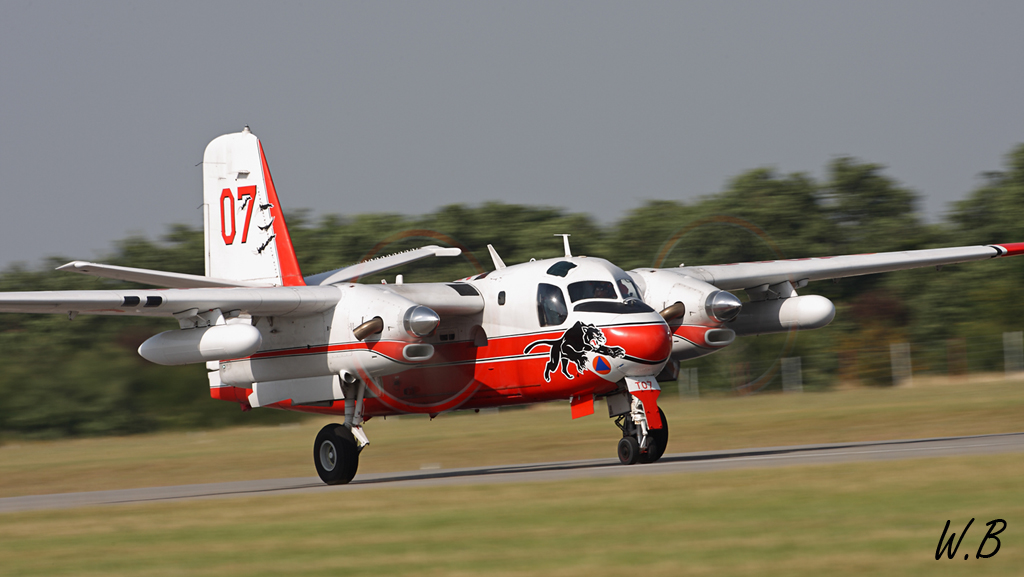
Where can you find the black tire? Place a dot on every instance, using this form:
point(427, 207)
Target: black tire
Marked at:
point(335, 454)
point(657, 441)
point(629, 450)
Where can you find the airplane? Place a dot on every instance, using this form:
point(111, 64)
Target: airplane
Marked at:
point(569, 328)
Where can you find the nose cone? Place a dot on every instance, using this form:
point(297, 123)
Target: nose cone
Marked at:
point(723, 306)
point(420, 321)
point(646, 347)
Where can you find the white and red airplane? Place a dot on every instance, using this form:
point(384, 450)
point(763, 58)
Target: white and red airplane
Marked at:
point(571, 328)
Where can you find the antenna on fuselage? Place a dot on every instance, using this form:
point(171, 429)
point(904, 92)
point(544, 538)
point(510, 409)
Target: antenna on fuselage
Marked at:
point(565, 241)
point(498, 263)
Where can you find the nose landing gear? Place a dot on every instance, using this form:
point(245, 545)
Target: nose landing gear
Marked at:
point(639, 443)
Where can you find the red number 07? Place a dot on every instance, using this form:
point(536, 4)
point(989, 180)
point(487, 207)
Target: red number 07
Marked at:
point(227, 212)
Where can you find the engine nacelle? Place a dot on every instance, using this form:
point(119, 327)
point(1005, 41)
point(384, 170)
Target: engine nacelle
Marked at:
point(697, 312)
point(182, 347)
point(390, 325)
point(400, 318)
point(702, 303)
point(780, 315)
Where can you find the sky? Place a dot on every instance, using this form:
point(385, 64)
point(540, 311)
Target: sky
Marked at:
point(106, 107)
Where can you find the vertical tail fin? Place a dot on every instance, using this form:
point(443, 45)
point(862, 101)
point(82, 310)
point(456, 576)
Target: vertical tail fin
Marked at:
point(246, 236)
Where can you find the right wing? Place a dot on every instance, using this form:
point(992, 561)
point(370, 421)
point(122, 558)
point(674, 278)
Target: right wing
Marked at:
point(800, 271)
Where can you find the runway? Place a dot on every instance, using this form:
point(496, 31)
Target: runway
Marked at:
point(557, 471)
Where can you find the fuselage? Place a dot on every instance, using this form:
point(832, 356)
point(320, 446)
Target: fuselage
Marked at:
point(537, 331)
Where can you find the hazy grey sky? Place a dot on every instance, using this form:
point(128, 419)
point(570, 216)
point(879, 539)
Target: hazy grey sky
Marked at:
point(105, 108)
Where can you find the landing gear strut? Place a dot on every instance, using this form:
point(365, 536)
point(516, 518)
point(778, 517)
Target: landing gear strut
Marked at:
point(337, 447)
point(657, 440)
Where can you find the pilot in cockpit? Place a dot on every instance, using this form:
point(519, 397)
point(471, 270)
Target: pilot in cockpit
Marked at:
point(603, 291)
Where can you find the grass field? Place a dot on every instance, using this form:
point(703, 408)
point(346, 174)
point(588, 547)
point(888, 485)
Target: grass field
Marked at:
point(540, 433)
point(880, 518)
point(852, 519)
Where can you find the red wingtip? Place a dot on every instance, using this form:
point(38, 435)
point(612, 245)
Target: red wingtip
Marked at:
point(1011, 249)
point(290, 273)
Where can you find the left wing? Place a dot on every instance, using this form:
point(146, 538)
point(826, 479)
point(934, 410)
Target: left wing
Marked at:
point(800, 271)
point(272, 301)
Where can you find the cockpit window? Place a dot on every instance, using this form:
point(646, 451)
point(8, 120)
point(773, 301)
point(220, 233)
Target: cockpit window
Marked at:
point(561, 268)
point(551, 309)
point(591, 289)
point(628, 288)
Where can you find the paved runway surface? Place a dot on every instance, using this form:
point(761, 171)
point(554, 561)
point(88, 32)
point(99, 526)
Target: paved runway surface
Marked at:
point(566, 470)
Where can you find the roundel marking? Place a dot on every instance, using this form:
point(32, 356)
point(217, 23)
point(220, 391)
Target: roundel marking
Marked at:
point(601, 365)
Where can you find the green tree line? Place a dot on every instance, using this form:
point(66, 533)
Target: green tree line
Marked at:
point(84, 377)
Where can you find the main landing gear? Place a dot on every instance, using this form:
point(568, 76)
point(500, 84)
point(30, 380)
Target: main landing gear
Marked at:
point(640, 444)
point(337, 447)
point(335, 454)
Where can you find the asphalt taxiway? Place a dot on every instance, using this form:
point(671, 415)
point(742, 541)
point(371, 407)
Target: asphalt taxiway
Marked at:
point(557, 471)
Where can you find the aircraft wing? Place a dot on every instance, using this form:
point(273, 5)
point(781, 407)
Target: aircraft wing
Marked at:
point(749, 275)
point(272, 301)
point(152, 277)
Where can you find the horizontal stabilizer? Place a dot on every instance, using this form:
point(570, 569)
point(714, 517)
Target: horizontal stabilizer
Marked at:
point(377, 265)
point(152, 277)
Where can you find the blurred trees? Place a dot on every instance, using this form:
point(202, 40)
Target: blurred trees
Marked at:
point(60, 378)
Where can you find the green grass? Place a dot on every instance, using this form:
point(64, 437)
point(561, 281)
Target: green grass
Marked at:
point(539, 433)
point(881, 518)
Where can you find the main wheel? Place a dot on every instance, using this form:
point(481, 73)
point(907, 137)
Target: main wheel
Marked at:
point(335, 454)
point(629, 450)
point(657, 441)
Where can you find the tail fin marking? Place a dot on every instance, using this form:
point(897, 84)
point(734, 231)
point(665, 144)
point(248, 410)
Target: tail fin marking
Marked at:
point(290, 273)
point(246, 235)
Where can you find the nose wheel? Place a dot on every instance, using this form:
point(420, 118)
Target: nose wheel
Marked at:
point(629, 450)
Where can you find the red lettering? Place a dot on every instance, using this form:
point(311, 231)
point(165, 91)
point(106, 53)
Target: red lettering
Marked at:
point(226, 196)
point(249, 191)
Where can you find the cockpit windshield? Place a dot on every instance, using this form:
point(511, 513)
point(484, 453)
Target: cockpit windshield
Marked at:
point(627, 287)
point(591, 289)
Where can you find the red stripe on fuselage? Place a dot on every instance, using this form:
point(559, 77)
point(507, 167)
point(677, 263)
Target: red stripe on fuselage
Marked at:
point(631, 337)
point(460, 374)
